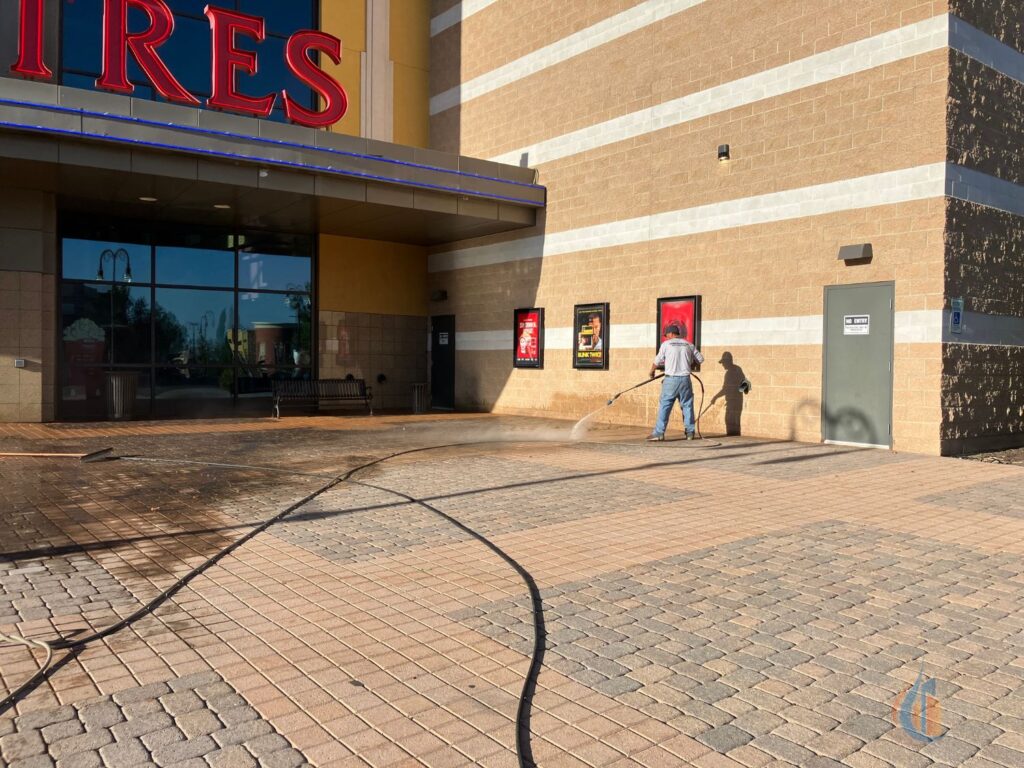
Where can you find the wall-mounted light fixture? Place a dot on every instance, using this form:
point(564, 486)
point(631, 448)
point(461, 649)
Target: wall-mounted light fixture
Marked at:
point(859, 253)
point(723, 153)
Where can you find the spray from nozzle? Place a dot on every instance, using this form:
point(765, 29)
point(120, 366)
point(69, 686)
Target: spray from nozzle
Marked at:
point(579, 430)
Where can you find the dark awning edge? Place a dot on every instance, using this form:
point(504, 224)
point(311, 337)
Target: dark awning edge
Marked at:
point(201, 134)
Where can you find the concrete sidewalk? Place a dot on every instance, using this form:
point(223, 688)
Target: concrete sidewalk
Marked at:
point(732, 602)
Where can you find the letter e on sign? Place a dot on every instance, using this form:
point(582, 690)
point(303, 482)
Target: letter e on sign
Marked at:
point(228, 59)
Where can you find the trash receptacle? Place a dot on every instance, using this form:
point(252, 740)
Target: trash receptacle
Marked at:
point(419, 398)
point(121, 392)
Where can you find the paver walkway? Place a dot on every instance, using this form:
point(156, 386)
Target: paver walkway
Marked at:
point(727, 603)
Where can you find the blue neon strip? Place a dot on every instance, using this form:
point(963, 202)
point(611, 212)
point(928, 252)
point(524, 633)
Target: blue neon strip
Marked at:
point(262, 161)
point(257, 139)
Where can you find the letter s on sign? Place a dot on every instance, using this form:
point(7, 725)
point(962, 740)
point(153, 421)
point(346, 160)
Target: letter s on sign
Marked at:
point(335, 100)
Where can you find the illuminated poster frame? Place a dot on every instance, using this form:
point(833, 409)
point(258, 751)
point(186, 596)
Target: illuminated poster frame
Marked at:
point(528, 323)
point(590, 349)
point(679, 309)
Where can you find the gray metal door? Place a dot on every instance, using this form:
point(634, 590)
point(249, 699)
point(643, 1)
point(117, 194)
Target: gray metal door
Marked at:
point(857, 400)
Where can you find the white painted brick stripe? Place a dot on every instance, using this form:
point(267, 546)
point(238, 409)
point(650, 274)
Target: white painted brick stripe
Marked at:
point(918, 183)
point(917, 327)
point(930, 326)
point(915, 39)
point(977, 187)
point(594, 36)
point(985, 49)
point(992, 330)
point(457, 14)
point(863, 55)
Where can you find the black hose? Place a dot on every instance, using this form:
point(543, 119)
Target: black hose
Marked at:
point(700, 410)
point(524, 750)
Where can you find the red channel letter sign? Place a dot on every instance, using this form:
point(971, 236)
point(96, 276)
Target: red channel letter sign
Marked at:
point(230, 60)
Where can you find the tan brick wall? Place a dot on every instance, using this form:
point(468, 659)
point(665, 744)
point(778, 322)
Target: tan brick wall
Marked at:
point(999, 18)
point(507, 30)
point(27, 311)
point(683, 54)
point(985, 121)
point(765, 271)
point(28, 305)
point(881, 120)
point(771, 270)
point(888, 118)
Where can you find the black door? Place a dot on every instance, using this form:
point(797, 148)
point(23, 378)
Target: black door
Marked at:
point(442, 366)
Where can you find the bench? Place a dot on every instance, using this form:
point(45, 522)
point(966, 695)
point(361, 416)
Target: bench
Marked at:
point(321, 391)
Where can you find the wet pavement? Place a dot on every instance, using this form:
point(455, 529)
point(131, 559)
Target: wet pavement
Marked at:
point(725, 603)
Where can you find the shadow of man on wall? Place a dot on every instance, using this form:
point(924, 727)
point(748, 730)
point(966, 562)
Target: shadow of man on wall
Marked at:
point(732, 391)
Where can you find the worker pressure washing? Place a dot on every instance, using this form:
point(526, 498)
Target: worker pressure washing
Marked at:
point(677, 357)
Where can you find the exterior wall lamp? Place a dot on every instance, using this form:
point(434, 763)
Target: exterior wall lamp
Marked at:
point(723, 153)
point(861, 253)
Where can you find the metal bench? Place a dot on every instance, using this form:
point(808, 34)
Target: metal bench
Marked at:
point(321, 391)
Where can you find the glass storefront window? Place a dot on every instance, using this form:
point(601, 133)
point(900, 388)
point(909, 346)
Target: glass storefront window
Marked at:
point(96, 394)
point(193, 266)
point(259, 271)
point(116, 262)
point(193, 327)
point(205, 328)
point(275, 330)
point(104, 324)
point(195, 383)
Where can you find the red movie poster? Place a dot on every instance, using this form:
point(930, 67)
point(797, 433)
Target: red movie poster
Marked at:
point(528, 338)
point(683, 311)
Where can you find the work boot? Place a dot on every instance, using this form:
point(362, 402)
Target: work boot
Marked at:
point(655, 438)
point(689, 435)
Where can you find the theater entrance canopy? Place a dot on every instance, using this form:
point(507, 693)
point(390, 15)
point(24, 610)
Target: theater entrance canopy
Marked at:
point(109, 154)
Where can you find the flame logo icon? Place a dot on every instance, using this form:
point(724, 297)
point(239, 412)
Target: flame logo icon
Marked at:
point(917, 711)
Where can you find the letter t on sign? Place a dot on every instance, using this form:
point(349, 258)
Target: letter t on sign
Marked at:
point(30, 42)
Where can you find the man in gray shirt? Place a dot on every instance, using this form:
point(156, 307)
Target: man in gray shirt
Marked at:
point(678, 357)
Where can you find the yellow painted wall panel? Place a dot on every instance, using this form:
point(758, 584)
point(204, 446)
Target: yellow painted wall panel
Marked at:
point(346, 19)
point(410, 33)
point(349, 74)
point(372, 276)
point(412, 106)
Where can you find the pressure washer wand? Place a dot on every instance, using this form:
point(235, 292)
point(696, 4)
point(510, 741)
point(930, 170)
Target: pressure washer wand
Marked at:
point(636, 386)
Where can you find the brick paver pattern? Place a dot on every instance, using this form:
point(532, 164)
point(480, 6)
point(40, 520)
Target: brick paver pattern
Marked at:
point(727, 603)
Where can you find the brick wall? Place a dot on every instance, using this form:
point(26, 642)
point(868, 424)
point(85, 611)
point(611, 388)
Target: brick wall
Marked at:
point(999, 18)
point(985, 119)
point(983, 384)
point(366, 345)
point(28, 244)
point(876, 121)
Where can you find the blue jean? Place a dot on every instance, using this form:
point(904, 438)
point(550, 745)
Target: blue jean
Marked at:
point(675, 388)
